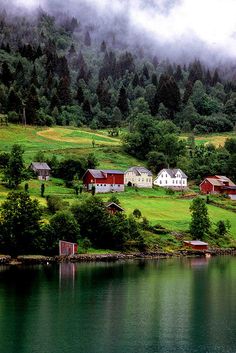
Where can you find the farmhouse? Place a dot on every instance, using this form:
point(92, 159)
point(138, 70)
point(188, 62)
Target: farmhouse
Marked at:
point(42, 170)
point(218, 184)
point(196, 244)
point(172, 178)
point(138, 176)
point(104, 180)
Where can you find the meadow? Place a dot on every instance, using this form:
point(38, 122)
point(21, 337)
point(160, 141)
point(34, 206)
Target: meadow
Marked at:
point(172, 212)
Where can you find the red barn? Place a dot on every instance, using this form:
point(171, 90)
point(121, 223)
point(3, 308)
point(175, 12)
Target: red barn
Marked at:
point(196, 244)
point(104, 180)
point(218, 184)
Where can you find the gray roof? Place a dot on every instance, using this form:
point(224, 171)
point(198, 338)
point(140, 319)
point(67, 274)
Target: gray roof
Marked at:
point(172, 172)
point(108, 204)
point(139, 170)
point(100, 173)
point(40, 166)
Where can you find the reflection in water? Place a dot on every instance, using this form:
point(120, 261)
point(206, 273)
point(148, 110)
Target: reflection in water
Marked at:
point(164, 306)
point(199, 261)
point(67, 275)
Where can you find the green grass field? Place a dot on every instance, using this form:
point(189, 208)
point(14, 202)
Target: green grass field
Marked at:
point(171, 212)
point(66, 141)
point(216, 139)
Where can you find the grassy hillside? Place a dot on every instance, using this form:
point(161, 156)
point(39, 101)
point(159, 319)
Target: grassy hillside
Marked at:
point(171, 212)
point(64, 141)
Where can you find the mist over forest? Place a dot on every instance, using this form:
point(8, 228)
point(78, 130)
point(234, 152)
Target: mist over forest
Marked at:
point(179, 30)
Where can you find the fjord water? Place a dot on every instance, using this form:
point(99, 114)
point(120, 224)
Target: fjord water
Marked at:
point(158, 306)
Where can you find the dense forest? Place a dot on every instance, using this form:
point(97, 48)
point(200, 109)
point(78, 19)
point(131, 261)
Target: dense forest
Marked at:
point(58, 69)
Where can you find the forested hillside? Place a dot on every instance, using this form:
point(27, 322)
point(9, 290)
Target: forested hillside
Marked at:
point(62, 72)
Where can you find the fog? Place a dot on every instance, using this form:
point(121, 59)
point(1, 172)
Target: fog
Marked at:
point(178, 27)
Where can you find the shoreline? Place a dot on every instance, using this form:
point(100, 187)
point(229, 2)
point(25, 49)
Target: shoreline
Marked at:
point(78, 258)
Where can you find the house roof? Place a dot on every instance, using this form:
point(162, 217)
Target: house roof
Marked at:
point(219, 181)
point(139, 170)
point(101, 173)
point(109, 204)
point(172, 172)
point(40, 166)
point(223, 178)
point(195, 242)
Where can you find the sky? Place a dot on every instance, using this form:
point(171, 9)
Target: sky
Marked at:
point(212, 22)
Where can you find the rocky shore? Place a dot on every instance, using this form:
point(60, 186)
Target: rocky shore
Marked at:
point(38, 259)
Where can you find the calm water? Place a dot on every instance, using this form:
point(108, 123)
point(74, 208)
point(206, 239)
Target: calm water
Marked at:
point(162, 306)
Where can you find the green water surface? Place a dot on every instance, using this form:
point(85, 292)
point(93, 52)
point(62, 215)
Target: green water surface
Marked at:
point(159, 306)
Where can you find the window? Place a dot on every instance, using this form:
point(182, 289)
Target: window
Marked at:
point(160, 182)
point(166, 181)
point(162, 175)
point(97, 184)
point(166, 175)
point(118, 186)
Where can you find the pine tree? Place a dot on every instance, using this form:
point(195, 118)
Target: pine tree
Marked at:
point(32, 105)
point(80, 95)
point(63, 91)
point(14, 102)
point(87, 39)
point(122, 102)
point(6, 75)
point(104, 97)
point(178, 74)
point(188, 92)
point(19, 75)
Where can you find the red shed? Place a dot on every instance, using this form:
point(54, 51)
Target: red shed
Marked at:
point(67, 248)
point(104, 180)
point(216, 184)
point(196, 244)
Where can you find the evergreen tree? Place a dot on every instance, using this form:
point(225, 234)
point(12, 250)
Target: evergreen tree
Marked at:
point(87, 39)
point(80, 95)
point(104, 97)
point(122, 102)
point(63, 91)
point(6, 75)
point(32, 105)
point(14, 102)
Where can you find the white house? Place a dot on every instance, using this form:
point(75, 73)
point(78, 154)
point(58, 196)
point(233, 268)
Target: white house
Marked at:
point(138, 176)
point(172, 178)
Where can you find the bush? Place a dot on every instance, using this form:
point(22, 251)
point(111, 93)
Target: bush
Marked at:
point(55, 203)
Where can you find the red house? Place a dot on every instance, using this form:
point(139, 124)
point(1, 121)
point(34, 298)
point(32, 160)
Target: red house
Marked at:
point(218, 184)
point(104, 180)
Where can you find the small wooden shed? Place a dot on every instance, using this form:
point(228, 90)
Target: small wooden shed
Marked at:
point(41, 169)
point(67, 248)
point(196, 244)
point(113, 208)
